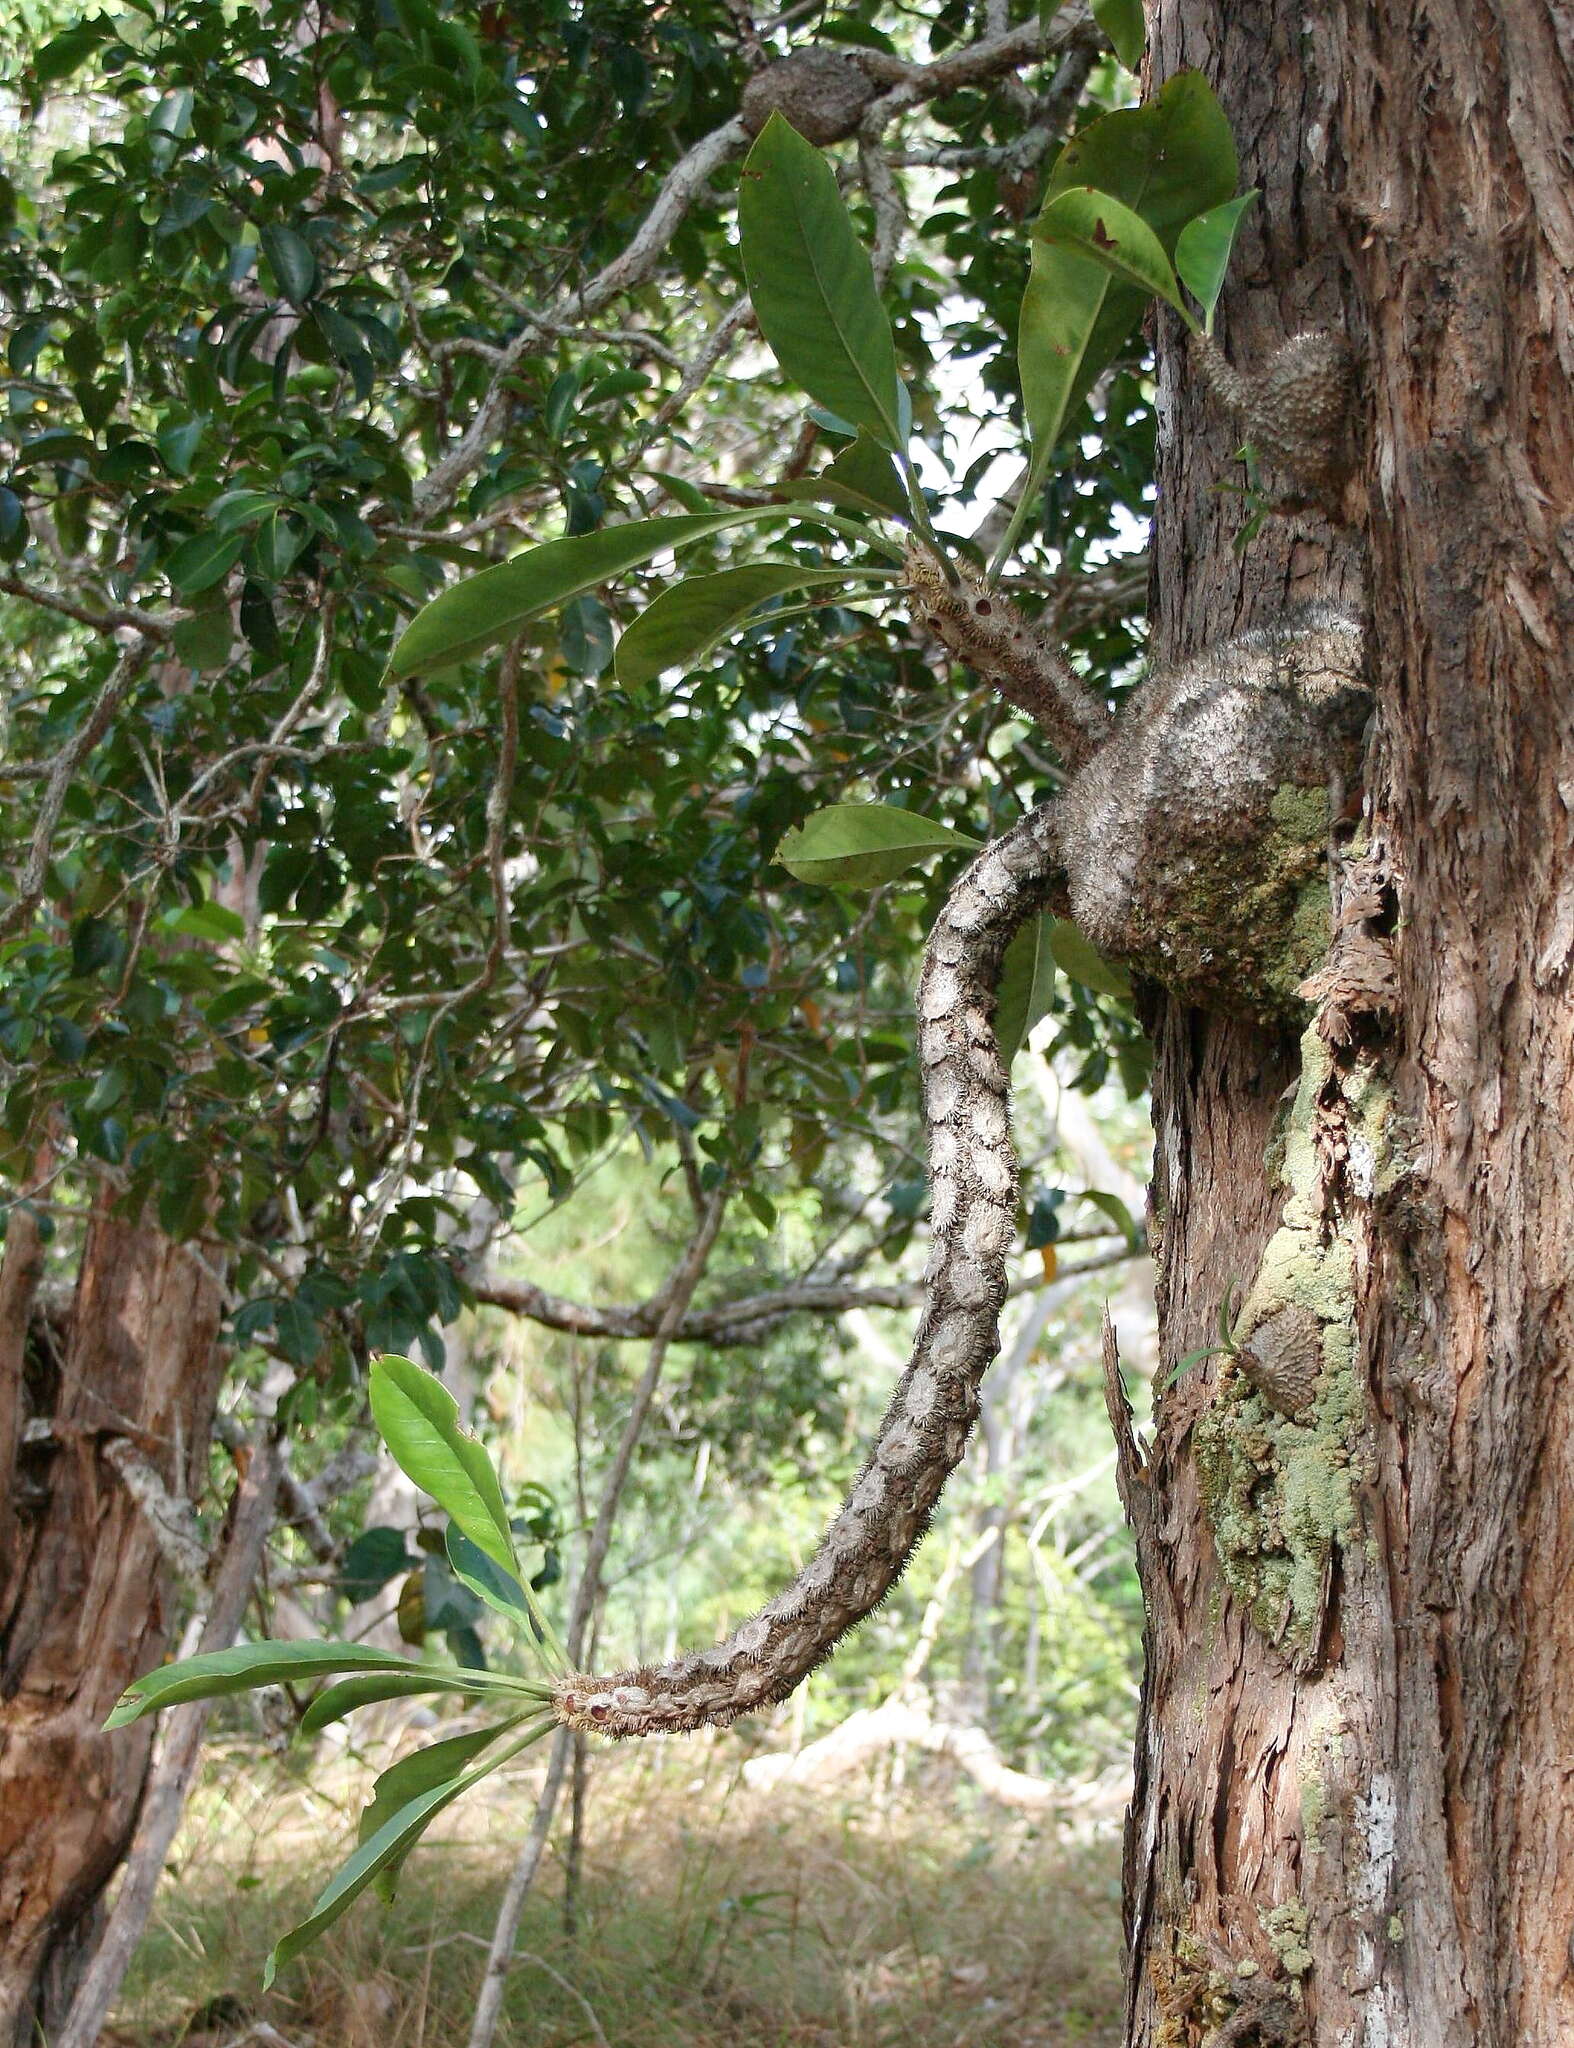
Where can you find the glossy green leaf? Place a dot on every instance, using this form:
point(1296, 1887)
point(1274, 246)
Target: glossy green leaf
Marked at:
point(334, 1702)
point(66, 52)
point(1122, 21)
point(1203, 249)
point(502, 1590)
point(219, 1672)
point(198, 563)
point(863, 478)
point(864, 844)
point(439, 1763)
point(1081, 962)
point(487, 609)
point(418, 1419)
point(1117, 1212)
point(1097, 226)
point(1027, 985)
point(292, 261)
point(392, 1842)
point(681, 627)
point(813, 285)
point(1168, 161)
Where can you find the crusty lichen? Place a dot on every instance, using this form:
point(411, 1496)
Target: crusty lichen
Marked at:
point(1280, 1490)
point(1285, 1927)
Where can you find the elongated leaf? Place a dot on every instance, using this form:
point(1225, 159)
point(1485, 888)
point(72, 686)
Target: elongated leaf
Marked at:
point(418, 1419)
point(250, 1664)
point(1082, 962)
point(1202, 252)
point(1117, 1212)
point(392, 1841)
point(813, 285)
point(1095, 225)
point(1168, 161)
point(681, 627)
point(511, 1596)
point(438, 1764)
point(866, 474)
point(485, 1578)
point(1027, 983)
point(865, 844)
point(198, 563)
point(489, 608)
point(1122, 22)
point(292, 262)
point(334, 1702)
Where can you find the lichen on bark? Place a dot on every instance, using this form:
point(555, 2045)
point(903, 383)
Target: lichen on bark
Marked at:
point(1280, 1488)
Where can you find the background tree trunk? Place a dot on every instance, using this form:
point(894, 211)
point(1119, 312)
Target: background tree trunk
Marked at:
point(1384, 1831)
point(84, 1585)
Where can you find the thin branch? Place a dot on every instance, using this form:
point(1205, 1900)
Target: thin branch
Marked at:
point(745, 1320)
point(67, 762)
point(152, 625)
point(908, 85)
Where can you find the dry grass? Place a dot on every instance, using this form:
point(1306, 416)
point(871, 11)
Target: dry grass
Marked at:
point(708, 1914)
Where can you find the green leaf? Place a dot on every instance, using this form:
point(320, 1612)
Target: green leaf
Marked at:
point(67, 51)
point(1168, 161)
point(239, 1670)
point(681, 627)
point(391, 1843)
point(178, 443)
point(1082, 962)
point(1122, 22)
point(376, 1556)
point(205, 921)
point(472, 1567)
point(1117, 1212)
point(292, 261)
point(863, 478)
point(1202, 252)
point(492, 607)
point(1027, 983)
point(438, 1764)
point(813, 285)
point(1095, 225)
point(866, 844)
point(334, 1702)
point(200, 561)
point(418, 1419)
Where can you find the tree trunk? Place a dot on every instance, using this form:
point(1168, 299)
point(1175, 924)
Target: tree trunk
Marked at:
point(84, 1585)
point(1351, 1819)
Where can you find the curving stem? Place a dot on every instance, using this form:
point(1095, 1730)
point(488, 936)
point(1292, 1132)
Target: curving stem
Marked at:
point(973, 1193)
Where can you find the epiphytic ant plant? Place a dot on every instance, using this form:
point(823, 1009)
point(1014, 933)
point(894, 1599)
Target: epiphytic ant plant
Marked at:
point(1189, 841)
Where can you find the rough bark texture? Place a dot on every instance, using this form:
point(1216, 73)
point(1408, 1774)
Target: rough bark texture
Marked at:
point(83, 1585)
point(1366, 1795)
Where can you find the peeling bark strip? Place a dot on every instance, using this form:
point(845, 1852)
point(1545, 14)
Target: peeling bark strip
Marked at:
point(84, 1586)
point(973, 1187)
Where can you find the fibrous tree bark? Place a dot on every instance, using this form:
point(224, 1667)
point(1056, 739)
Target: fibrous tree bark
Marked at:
point(85, 1581)
point(1351, 1823)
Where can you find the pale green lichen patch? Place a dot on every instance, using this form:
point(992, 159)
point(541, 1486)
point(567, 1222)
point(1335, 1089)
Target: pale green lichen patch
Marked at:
point(1280, 1489)
point(1314, 1811)
point(1285, 1927)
